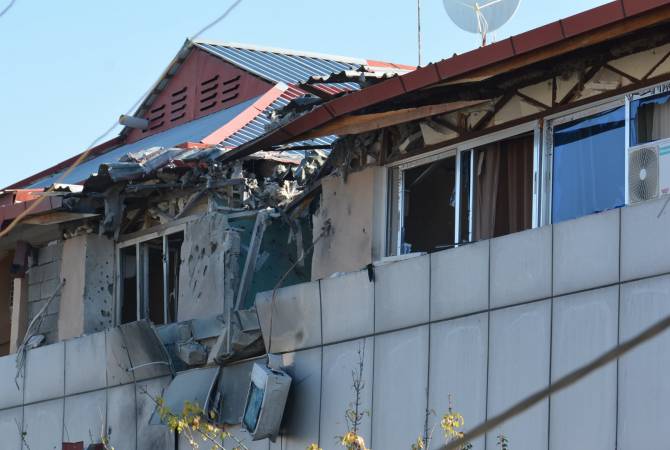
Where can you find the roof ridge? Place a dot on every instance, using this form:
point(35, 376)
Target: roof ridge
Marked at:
point(283, 51)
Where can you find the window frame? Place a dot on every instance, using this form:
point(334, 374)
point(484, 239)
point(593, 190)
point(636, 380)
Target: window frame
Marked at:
point(456, 150)
point(136, 240)
point(547, 195)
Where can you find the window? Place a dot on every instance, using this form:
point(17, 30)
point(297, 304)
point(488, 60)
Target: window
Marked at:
point(588, 174)
point(650, 119)
point(504, 187)
point(471, 194)
point(149, 277)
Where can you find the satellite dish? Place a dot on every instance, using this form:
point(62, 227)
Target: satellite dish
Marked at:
point(481, 16)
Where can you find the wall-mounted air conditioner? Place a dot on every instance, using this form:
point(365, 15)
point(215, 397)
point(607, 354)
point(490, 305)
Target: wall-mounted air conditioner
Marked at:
point(648, 171)
point(266, 401)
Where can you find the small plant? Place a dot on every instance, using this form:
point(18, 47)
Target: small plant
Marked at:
point(195, 425)
point(354, 415)
point(503, 442)
point(452, 423)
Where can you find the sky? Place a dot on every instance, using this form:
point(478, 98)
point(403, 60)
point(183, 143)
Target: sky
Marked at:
point(69, 68)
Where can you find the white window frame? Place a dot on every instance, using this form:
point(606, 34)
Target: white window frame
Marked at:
point(457, 150)
point(576, 113)
point(136, 240)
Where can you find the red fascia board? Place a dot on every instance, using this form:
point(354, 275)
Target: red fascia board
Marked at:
point(246, 116)
point(632, 7)
point(95, 151)
point(420, 78)
point(369, 96)
point(594, 18)
point(313, 119)
point(539, 37)
point(475, 59)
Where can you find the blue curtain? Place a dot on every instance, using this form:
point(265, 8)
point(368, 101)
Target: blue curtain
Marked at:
point(589, 165)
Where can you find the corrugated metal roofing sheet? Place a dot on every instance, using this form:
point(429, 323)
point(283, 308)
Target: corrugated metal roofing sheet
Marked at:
point(282, 65)
point(189, 132)
point(258, 126)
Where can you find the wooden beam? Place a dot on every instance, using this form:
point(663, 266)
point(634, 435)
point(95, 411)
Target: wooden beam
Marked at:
point(484, 121)
point(370, 122)
point(532, 101)
point(621, 73)
point(577, 88)
point(656, 66)
point(57, 217)
point(325, 96)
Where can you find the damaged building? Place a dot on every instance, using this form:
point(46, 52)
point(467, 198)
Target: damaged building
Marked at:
point(465, 234)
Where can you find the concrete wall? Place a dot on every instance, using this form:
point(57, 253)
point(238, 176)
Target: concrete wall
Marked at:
point(6, 287)
point(208, 271)
point(43, 279)
point(487, 324)
point(462, 324)
point(87, 298)
point(354, 215)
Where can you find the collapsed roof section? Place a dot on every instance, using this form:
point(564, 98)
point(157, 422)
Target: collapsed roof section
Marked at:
point(212, 98)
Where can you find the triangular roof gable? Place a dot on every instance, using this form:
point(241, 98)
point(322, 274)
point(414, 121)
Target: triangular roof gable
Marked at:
point(195, 86)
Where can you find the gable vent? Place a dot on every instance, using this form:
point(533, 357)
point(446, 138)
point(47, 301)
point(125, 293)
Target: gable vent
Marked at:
point(230, 90)
point(209, 93)
point(178, 101)
point(156, 117)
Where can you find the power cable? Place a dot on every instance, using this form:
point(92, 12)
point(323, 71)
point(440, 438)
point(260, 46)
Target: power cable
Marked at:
point(7, 8)
point(560, 384)
point(36, 203)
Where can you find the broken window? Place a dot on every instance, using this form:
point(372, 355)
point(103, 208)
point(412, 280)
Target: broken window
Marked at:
point(429, 208)
point(149, 279)
point(504, 187)
point(650, 119)
point(588, 165)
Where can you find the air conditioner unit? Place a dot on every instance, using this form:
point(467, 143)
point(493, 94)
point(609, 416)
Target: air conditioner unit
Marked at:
point(266, 401)
point(648, 171)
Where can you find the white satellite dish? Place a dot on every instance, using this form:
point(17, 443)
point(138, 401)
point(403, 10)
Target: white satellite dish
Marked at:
point(481, 16)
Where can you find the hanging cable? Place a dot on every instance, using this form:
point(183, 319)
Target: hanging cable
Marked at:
point(7, 8)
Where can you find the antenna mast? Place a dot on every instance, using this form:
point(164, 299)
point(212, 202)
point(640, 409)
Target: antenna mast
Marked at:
point(418, 27)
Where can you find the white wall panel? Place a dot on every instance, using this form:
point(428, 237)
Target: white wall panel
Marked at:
point(645, 245)
point(151, 436)
point(340, 361)
point(11, 421)
point(121, 417)
point(45, 373)
point(84, 417)
point(400, 384)
point(521, 267)
point(348, 307)
point(402, 293)
point(301, 417)
point(296, 317)
point(518, 367)
point(458, 363)
point(85, 364)
point(11, 387)
point(585, 326)
point(644, 391)
point(459, 281)
point(586, 252)
point(43, 425)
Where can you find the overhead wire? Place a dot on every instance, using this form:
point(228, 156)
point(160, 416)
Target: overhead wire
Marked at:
point(37, 202)
point(7, 8)
point(561, 384)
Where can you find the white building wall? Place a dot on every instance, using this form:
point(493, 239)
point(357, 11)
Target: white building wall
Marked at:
point(455, 325)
